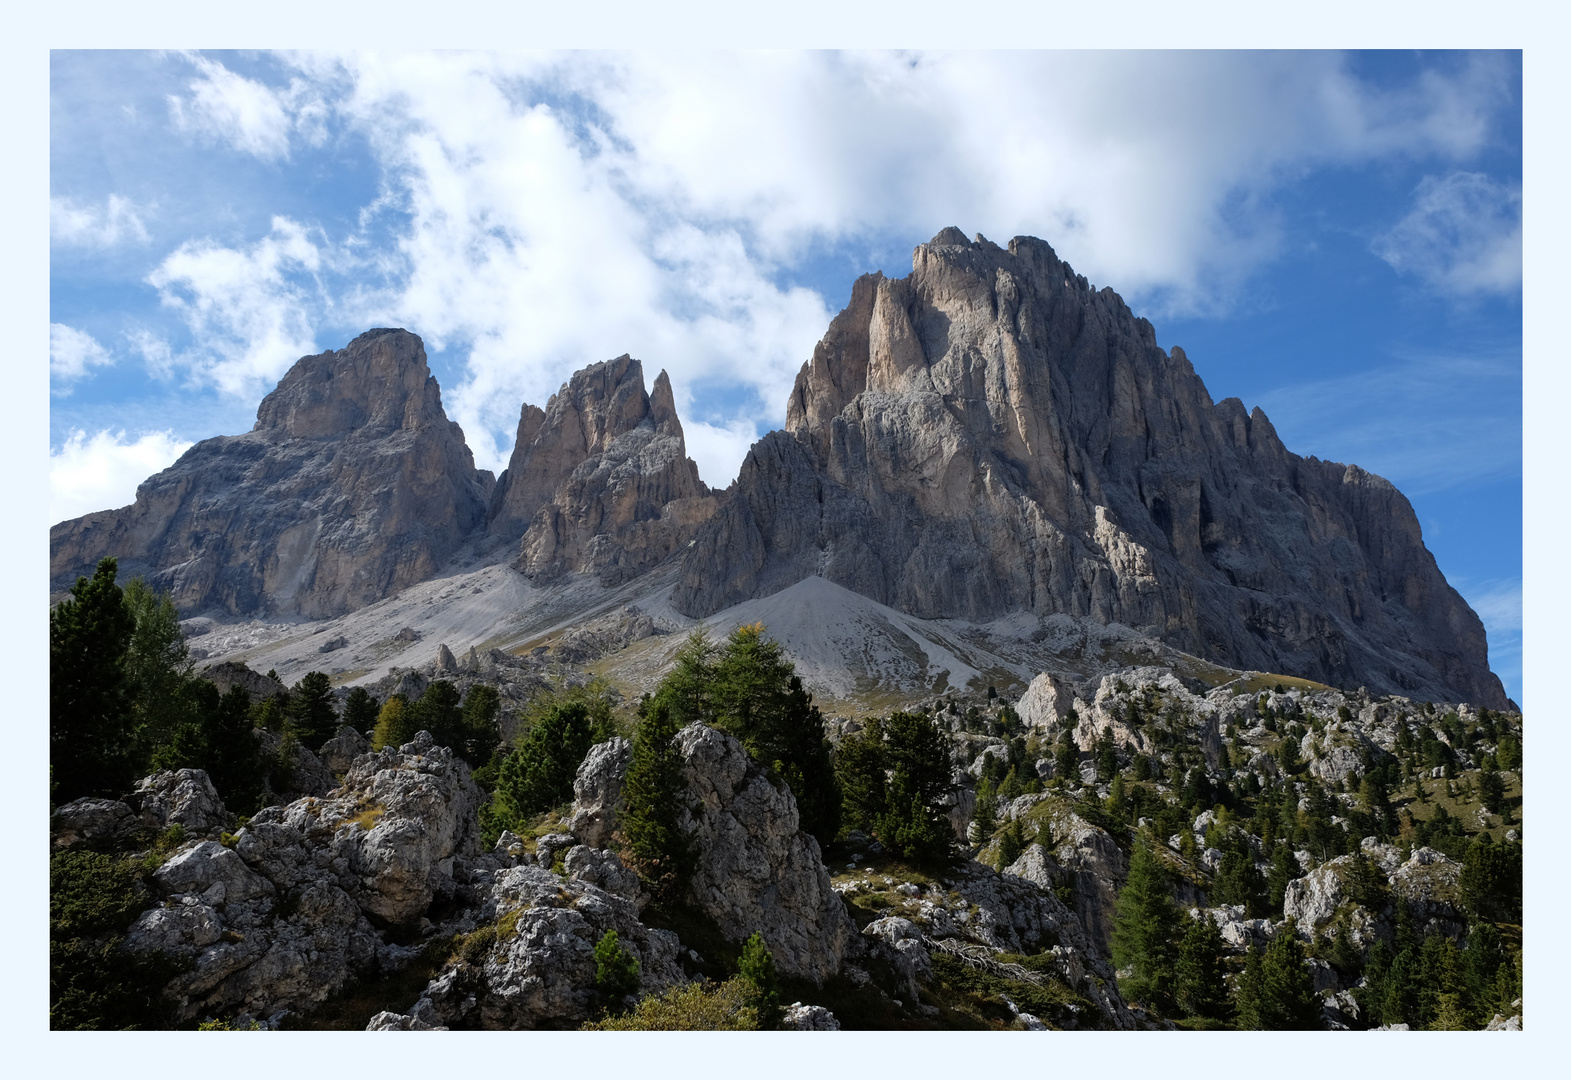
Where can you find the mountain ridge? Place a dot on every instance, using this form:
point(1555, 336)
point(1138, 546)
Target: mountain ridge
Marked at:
point(987, 436)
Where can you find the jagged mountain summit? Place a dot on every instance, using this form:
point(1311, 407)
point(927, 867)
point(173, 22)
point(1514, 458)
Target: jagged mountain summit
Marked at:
point(989, 435)
point(984, 444)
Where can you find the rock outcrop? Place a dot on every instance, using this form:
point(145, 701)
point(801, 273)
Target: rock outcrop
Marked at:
point(352, 485)
point(755, 870)
point(991, 435)
point(600, 481)
point(292, 911)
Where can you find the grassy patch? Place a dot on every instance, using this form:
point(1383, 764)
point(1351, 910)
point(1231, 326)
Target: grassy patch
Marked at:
point(368, 816)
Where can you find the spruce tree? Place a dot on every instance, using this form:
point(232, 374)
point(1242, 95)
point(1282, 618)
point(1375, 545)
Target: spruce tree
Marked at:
point(861, 771)
point(231, 756)
point(1144, 927)
point(91, 741)
point(647, 822)
point(1106, 755)
point(1199, 987)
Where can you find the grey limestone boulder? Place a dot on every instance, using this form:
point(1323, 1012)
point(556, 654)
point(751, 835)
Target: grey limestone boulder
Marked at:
point(186, 798)
point(91, 819)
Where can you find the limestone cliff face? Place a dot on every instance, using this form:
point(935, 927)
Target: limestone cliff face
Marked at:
point(991, 435)
point(600, 481)
point(352, 485)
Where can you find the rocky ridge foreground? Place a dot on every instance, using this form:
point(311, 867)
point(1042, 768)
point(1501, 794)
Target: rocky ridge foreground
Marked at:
point(986, 439)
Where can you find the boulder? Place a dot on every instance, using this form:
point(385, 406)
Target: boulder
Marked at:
point(185, 797)
point(339, 752)
point(103, 820)
point(799, 1017)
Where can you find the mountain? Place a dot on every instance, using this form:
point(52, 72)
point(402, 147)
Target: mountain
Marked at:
point(352, 485)
point(990, 435)
point(982, 462)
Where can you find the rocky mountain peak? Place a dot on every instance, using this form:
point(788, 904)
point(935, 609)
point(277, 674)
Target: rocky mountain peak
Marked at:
point(378, 382)
point(302, 514)
point(991, 434)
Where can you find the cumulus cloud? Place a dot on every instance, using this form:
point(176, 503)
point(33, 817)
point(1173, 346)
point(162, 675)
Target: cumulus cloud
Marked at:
point(541, 212)
point(72, 352)
point(102, 471)
point(1463, 235)
point(250, 310)
point(78, 224)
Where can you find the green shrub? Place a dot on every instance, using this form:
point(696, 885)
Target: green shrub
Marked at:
point(690, 1007)
point(616, 971)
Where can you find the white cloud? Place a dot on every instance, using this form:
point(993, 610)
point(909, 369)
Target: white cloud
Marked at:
point(74, 223)
point(247, 114)
point(250, 310)
point(1462, 236)
point(72, 352)
point(718, 451)
point(102, 471)
point(542, 212)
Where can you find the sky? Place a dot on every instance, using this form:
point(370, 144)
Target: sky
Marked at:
point(1336, 238)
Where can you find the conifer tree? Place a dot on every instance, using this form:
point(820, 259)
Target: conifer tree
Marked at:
point(312, 717)
point(1106, 755)
point(1066, 762)
point(985, 816)
point(1288, 989)
point(91, 741)
point(393, 723)
point(647, 822)
point(1199, 987)
point(158, 669)
point(477, 724)
point(1011, 844)
point(539, 773)
point(1144, 928)
point(361, 710)
point(439, 713)
point(757, 969)
point(616, 972)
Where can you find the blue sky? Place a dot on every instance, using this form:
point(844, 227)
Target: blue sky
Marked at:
point(1333, 237)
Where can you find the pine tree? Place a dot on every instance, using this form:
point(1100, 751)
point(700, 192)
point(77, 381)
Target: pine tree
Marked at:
point(438, 712)
point(1106, 755)
point(985, 816)
point(1288, 1001)
point(1066, 762)
point(616, 972)
point(478, 734)
point(861, 771)
point(539, 773)
point(652, 794)
point(757, 969)
point(1144, 927)
point(757, 696)
point(361, 710)
point(1116, 806)
point(91, 741)
point(158, 669)
point(231, 756)
point(1199, 987)
point(1011, 844)
point(1248, 994)
point(312, 717)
